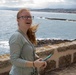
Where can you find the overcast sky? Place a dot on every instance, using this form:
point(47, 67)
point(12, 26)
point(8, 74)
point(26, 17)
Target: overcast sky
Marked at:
point(39, 3)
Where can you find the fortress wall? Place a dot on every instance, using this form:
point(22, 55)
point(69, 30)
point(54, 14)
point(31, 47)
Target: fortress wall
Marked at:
point(64, 55)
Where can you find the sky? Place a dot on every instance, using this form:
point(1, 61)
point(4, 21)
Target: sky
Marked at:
point(38, 4)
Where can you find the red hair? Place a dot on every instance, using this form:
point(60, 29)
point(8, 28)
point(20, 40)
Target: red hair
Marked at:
point(31, 34)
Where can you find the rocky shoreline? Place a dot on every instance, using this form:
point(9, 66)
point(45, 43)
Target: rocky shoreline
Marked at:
point(51, 42)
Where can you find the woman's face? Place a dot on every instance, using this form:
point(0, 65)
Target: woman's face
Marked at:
point(25, 19)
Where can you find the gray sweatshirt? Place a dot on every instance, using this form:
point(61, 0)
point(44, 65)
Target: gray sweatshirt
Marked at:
point(21, 51)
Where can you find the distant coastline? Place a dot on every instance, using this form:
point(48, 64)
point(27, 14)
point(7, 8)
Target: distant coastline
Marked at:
point(57, 10)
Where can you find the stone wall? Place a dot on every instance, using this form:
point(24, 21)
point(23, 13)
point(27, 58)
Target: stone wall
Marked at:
point(64, 54)
point(5, 64)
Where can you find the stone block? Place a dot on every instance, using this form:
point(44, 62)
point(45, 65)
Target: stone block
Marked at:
point(74, 57)
point(61, 49)
point(68, 59)
point(64, 61)
point(51, 65)
point(65, 48)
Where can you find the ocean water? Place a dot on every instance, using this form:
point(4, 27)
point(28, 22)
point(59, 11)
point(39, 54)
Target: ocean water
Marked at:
point(53, 29)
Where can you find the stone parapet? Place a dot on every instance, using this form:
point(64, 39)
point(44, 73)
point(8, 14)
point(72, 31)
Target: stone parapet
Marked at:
point(5, 63)
point(64, 55)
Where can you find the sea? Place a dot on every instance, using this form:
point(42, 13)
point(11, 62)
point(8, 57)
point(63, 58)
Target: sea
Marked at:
point(47, 29)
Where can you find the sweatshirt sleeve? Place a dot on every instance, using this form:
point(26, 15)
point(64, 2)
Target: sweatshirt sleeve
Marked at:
point(16, 43)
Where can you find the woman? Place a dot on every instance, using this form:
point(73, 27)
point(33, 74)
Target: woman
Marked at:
point(22, 51)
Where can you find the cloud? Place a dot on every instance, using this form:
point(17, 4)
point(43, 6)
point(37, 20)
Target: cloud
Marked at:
point(55, 3)
point(52, 4)
point(39, 3)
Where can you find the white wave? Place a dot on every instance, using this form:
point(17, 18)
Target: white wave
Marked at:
point(49, 38)
point(53, 38)
point(4, 47)
point(4, 44)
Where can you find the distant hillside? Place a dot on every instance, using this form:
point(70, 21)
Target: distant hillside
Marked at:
point(56, 10)
point(41, 10)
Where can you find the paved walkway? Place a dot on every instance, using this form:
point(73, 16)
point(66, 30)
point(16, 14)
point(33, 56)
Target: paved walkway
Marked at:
point(71, 70)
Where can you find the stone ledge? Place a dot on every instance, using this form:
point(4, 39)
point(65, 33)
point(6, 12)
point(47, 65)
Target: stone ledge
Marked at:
point(4, 60)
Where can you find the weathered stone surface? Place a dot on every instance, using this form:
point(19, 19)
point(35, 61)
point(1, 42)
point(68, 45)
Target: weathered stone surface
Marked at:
point(4, 60)
point(65, 48)
point(4, 63)
point(51, 65)
point(64, 61)
point(61, 49)
point(72, 46)
point(51, 41)
point(6, 73)
point(68, 59)
point(74, 57)
point(70, 70)
point(45, 53)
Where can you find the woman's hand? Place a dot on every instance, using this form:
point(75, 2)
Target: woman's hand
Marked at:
point(39, 63)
